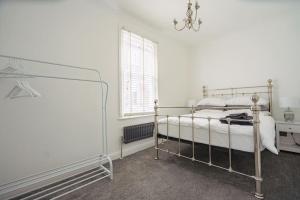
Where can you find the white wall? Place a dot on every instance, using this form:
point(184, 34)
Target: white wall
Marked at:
point(81, 32)
point(250, 56)
point(77, 32)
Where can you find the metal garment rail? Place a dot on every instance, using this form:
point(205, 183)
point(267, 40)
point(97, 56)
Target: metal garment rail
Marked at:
point(104, 91)
point(256, 136)
point(104, 94)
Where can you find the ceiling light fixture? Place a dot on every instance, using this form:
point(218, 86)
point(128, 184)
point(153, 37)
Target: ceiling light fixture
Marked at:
point(190, 21)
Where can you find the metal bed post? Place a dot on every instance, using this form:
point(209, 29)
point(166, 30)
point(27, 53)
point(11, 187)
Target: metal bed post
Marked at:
point(270, 85)
point(179, 142)
point(156, 128)
point(257, 153)
point(167, 132)
point(209, 142)
point(193, 134)
point(204, 91)
point(229, 145)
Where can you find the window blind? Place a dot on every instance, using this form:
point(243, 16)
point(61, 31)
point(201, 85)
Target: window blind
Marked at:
point(138, 74)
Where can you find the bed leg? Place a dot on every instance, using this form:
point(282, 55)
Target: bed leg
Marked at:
point(156, 129)
point(257, 152)
point(156, 156)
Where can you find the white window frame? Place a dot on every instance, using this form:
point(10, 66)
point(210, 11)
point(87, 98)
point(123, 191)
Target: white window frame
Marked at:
point(140, 114)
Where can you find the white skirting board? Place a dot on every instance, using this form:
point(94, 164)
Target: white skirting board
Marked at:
point(133, 148)
point(27, 184)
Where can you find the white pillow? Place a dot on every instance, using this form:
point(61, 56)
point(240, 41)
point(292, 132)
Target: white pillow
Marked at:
point(211, 102)
point(245, 101)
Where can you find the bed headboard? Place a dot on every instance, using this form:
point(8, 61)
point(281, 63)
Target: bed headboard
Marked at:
point(241, 91)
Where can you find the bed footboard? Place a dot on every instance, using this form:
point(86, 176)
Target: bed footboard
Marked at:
point(256, 136)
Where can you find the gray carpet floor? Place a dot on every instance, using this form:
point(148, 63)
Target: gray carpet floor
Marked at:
point(140, 177)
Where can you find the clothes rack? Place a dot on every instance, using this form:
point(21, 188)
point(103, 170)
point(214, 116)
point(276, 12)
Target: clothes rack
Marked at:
point(102, 158)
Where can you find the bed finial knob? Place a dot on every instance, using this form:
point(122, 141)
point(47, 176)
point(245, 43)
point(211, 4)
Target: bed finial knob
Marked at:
point(255, 98)
point(204, 90)
point(270, 85)
point(270, 82)
point(155, 103)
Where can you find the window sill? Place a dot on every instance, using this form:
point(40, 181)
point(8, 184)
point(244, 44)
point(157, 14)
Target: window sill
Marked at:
point(135, 116)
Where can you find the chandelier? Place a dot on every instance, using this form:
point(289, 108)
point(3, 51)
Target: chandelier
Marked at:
point(190, 21)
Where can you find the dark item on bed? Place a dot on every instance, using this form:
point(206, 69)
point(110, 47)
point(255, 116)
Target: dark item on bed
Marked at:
point(235, 119)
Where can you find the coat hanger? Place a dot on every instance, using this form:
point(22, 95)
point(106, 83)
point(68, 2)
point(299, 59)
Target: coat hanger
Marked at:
point(9, 67)
point(22, 87)
point(13, 66)
point(27, 87)
point(18, 91)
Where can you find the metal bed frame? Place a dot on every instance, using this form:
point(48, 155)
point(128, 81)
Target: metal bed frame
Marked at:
point(101, 159)
point(263, 89)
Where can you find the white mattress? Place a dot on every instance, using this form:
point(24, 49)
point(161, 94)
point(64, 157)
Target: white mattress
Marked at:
point(241, 136)
point(240, 142)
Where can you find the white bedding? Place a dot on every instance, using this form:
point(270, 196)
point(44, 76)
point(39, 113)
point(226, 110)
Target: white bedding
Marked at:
point(267, 125)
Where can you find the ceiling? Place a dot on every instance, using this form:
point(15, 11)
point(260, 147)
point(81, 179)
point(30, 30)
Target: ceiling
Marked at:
point(219, 16)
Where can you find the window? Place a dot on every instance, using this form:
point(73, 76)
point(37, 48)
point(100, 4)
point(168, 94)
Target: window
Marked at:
point(138, 74)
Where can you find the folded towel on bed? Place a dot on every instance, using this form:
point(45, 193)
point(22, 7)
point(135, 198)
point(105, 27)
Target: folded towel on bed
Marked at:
point(235, 119)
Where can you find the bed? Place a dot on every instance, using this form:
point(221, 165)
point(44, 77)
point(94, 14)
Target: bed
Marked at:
point(241, 136)
point(204, 125)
